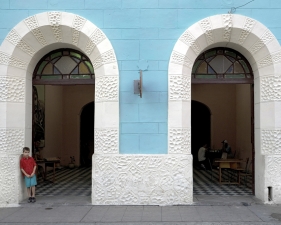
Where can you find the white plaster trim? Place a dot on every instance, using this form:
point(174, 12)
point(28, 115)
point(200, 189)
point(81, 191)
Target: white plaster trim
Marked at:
point(34, 37)
point(233, 31)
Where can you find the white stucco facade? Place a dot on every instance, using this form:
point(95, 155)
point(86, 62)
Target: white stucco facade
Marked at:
point(130, 179)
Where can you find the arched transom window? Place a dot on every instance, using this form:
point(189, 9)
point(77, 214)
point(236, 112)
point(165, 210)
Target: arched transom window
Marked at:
point(64, 66)
point(221, 65)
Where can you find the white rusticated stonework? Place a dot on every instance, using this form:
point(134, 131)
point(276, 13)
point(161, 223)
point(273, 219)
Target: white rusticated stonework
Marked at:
point(246, 30)
point(9, 168)
point(227, 23)
point(16, 40)
point(55, 22)
point(32, 24)
point(270, 88)
point(179, 141)
point(96, 37)
point(12, 61)
point(179, 87)
point(270, 59)
point(142, 180)
point(271, 142)
point(106, 88)
point(181, 59)
point(11, 141)
point(273, 168)
point(188, 39)
point(12, 89)
point(105, 58)
point(206, 26)
point(106, 141)
point(77, 25)
point(266, 37)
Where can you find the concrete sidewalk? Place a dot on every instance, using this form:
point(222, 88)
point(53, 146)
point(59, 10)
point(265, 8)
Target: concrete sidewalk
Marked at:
point(205, 210)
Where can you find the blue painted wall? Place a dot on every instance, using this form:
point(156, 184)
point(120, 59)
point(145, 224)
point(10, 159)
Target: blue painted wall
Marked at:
point(142, 30)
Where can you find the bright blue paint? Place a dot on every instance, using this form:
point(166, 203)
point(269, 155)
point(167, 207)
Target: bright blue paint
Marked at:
point(140, 4)
point(156, 49)
point(113, 33)
point(103, 4)
point(95, 16)
point(65, 4)
point(153, 112)
point(129, 112)
point(170, 34)
point(155, 18)
point(126, 80)
point(121, 18)
point(144, 30)
point(126, 49)
point(5, 4)
point(155, 80)
point(163, 128)
point(163, 96)
point(152, 65)
point(168, 3)
point(163, 65)
point(130, 144)
point(153, 143)
point(28, 4)
point(10, 18)
point(148, 97)
point(139, 128)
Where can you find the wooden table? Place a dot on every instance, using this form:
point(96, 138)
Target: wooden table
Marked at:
point(229, 164)
point(48, 163)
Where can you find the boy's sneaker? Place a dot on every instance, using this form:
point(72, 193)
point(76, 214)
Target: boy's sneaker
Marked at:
point(29, 200)
point(33, 200)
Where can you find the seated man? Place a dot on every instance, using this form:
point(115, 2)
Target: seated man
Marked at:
point(226, 148)
point(203, 161)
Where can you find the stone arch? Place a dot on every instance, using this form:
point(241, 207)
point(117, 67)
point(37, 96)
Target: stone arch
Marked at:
point(262, 50)
point(20, 51)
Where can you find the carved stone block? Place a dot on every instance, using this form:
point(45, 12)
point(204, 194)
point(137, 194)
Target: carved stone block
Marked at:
point(11, 141)
point(270, 88)
point(179, 88)
point(12, 89)
point(106, 88)
point(179, 141)
point(106, 141)
point(142, 180)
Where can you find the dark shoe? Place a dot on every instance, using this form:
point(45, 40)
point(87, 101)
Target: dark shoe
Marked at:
point(29, 200)
point(33, 200)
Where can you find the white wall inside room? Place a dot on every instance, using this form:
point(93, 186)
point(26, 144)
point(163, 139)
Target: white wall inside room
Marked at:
point(63, 105)
point(230, 108)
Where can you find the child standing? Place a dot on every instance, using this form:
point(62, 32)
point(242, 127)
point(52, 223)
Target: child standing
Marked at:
point(28, 168)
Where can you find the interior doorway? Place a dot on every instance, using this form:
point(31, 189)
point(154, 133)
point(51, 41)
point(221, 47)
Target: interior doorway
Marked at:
point(68, 81)
point(200, 127)
point(87, 134)
point(222, 79)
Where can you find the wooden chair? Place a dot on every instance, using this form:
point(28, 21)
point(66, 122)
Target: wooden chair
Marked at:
point(246, 173)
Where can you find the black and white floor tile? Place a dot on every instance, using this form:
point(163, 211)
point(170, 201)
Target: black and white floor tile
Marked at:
point(205, 182)
point(70, 182)
point(77, 182)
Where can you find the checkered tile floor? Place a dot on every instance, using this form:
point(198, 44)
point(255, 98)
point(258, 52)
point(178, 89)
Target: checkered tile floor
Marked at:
point(204, 184)
point(70, 182)
point(77, 182)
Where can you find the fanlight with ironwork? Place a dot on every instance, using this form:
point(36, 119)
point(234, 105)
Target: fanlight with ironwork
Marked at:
point(221, 65)
point(64, 66)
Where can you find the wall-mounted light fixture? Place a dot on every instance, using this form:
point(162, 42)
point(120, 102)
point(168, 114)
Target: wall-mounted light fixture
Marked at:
point(138, 85)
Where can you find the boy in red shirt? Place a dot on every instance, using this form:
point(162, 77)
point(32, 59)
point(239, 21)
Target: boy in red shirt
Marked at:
point(28, 168)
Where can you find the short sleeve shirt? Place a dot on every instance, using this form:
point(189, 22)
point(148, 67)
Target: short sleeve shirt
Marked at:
point(27, 164)
point(201, 154)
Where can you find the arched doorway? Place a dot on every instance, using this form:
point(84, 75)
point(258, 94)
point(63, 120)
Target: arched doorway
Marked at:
point(200, 127)
point(222, 78)
point(87, 134)
point(67, 78)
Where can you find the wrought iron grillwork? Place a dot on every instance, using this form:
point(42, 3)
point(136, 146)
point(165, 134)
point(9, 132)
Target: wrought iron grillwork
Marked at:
point(222, 64)
point(63, 65)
